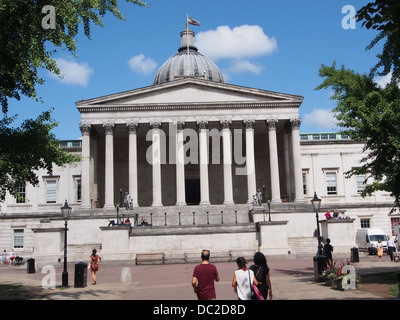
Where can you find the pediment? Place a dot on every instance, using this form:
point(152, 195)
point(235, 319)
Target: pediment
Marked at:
point(190, 91)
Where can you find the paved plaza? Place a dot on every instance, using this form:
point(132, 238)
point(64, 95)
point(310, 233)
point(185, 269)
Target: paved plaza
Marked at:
point(292, 279)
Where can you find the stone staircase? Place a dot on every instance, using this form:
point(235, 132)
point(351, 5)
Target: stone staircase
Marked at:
point(303, 246)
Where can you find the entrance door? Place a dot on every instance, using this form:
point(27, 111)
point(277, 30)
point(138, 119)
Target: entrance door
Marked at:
point(192, 187)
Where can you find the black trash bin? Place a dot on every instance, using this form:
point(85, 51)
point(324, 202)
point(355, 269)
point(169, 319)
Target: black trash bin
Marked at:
point(319, 267)
point(354, 255)
point(30, 265)
point(80, 275)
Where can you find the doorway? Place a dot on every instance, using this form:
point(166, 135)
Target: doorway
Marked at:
point(192, 191)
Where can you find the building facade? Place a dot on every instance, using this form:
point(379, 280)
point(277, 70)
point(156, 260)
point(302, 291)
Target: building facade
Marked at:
point(192, 152)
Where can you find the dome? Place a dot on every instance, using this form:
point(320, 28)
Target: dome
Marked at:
point(188, 62)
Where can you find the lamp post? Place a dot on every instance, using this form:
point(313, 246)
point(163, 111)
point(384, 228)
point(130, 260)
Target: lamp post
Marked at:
point(316, 202)
point(269, 210)
point(65, 212)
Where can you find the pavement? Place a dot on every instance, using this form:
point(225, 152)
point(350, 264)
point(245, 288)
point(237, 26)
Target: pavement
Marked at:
point(291, 278)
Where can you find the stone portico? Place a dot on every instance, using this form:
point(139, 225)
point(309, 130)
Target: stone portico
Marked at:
point(212, 143)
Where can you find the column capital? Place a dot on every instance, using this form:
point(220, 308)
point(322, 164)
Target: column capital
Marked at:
point(271, 124)
point(295, 123)
point(180, 125)
point(248, 124)
point(155, 125)
point(225, 124)
point(202, 125)
point(132, 127)
point(85, 129)
point(109, 128)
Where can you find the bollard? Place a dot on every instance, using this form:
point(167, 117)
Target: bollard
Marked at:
point(126, 275)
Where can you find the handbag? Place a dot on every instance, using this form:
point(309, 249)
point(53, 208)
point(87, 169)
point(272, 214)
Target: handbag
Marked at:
point(257, 294)
point(254, 293)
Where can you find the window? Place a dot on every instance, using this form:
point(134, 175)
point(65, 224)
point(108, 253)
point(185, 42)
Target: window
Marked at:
point(18, 238)
point(365, 223)
point(22, 193)
point(304, 183)
point(51, 191)
point(360, 183)
point(78, 190)
point(331, 183)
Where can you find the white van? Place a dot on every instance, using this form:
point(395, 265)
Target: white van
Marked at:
point(367, 239)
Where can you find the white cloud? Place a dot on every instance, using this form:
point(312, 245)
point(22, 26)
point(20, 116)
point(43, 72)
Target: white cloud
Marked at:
point(142, 64)
point(241, 42)
point(73, 72)
point(320, 119)
point(240, 66)
point(385, 80)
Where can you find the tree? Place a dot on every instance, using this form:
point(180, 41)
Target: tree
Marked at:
point(384, 16)
point(371, 114)
point(24, 48)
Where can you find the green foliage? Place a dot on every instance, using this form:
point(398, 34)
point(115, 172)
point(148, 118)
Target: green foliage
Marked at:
point(371, 114)
point(384, 16)
point(25, 150)
point(23, 40)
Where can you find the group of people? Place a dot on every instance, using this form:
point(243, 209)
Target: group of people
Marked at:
point(4, 260)
point(335, 215)
point(391, 248)
point(245, 280)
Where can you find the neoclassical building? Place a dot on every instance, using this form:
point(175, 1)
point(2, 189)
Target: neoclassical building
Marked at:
point(192, 152)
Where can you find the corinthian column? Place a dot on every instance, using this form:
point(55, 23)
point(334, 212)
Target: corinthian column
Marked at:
point(298, 179)
point(156, 159)
point(180, 165)
point(227, 157)
point(109, 166)
point(204, 190)
point(250, 160)
point(273, 161)
point(132, 171)
point(85, 175)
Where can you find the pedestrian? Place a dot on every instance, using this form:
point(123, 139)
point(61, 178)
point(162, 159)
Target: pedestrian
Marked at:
point(243, 280)
point(203, 278)
point(328, 249)
point(261, 272)
point(12, 257)
point(94, 265)
point(379, 247)
point(4, 257)
point(391, 247)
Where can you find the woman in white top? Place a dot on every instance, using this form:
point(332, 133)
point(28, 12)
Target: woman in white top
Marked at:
point(243, 280)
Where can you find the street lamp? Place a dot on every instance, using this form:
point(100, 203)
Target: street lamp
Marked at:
point(269, 210)
point(316, 202)
point(65, 212)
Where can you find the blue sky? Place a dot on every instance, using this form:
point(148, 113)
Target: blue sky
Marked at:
point(291, 41)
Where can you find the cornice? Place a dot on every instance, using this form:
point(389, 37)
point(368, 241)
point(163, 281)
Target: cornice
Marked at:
point(117, 108)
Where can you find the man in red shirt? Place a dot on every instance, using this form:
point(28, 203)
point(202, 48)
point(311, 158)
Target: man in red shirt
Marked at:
point(204, 276)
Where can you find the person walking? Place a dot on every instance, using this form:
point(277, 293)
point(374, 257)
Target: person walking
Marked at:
point(380, 249)
point(94, 265)
point(243, 280)
point(261, 272)
point(204, 276)
point(391, 247)
point(4, 257)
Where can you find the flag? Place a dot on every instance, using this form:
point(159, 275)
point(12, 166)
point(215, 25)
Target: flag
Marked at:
point(193, 22)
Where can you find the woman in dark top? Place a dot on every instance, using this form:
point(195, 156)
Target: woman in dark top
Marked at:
point(261, 273)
